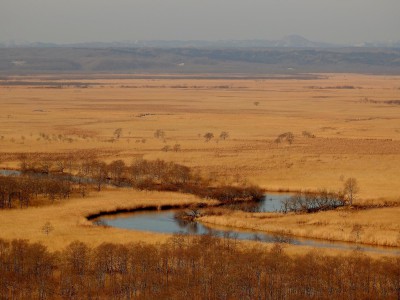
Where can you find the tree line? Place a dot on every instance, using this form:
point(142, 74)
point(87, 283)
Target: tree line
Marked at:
point(164, 176)
point(187, 267)
point(61, 177)
point(51, 177)
point(19, 191)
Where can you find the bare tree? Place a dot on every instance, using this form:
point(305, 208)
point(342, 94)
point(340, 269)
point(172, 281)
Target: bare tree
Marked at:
point(99, 173)
point(159, 134)
point(208, 136)
point(224, 135)
point(118, 133)
point(287, 136)
point(117, 168)
point(351, 189)
point(47, 228)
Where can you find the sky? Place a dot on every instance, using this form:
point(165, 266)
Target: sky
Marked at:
point(70, 21)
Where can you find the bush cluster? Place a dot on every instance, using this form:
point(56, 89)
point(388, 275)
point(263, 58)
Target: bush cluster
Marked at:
point(313, 201)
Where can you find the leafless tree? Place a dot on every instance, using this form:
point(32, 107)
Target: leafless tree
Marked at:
point(118, 133)
point(208, 136)
point(159, 134)
point(287, 136)
point(116, 169)
point(351, 189)
point(166, 148)
point(224, 135)
point(47, 228)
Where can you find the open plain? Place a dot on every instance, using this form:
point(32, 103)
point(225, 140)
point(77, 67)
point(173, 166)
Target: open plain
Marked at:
point(343, 125)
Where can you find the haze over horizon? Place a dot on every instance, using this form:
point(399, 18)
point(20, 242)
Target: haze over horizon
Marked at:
point(59, 21)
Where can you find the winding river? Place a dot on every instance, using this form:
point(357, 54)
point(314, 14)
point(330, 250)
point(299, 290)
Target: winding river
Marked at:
point(164, 221)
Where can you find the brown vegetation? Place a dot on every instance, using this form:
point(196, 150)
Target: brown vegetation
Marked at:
point(308, 202)
point(142, 174)
point(189, 267)
point(19, 191)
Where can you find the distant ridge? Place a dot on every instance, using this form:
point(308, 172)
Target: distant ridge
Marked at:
point(197, 60)
point(290, 41)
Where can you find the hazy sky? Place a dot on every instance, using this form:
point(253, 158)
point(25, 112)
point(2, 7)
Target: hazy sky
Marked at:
point(65, 21)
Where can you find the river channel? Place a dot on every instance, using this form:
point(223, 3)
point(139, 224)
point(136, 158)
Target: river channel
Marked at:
point(164, 221)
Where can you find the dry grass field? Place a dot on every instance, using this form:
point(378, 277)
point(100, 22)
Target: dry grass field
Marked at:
point(69, 223)
point(379, 226)
point(356, 129)
point(354, 137)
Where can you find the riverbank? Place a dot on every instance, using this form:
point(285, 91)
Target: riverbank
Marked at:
point(375, 226)
point(68, 220)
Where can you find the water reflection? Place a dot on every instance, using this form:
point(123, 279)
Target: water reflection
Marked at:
point(270, 203)
point(165, 222)
point(187, 226)
point(4, 172)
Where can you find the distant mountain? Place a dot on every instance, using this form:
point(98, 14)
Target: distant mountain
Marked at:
point(198, 60)
point(297, 41)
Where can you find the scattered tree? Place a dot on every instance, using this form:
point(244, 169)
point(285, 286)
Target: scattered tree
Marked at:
point(159, 134)
point(224, 135)
point(287, 136)
point(47, 228)
point(118, 133)
point(351, 189)
point(208, 136)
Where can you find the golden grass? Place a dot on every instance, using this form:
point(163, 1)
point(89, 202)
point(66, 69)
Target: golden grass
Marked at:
point(354, 138)
point(379, 226)
point(69, 218)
